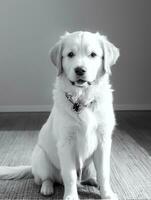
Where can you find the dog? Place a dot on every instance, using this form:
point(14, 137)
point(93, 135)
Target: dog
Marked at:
point(78, 132)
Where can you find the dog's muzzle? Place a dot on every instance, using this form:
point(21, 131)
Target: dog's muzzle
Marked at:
point(79, 71)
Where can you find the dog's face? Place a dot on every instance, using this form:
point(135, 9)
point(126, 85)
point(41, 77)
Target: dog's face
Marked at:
point(83, 57)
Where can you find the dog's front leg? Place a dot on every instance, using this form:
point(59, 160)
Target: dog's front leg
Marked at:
point(68, 171)
point(102, 165)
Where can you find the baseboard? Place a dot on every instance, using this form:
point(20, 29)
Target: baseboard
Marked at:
point(26, 108)
point(47, 108)
point(132, 107)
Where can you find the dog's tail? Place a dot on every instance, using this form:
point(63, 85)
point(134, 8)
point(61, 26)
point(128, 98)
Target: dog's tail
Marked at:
point(17, 172)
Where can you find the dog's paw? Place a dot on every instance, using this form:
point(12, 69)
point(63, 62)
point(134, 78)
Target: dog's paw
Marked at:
point(71, 197)
point(110, 196)
point(47, 188)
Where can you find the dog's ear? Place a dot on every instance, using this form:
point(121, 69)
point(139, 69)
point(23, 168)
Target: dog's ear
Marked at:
point(110, 53)
point(65, 35)
point(55, 55)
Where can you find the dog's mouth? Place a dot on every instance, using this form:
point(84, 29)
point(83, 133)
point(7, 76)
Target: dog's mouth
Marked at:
point(80, 83)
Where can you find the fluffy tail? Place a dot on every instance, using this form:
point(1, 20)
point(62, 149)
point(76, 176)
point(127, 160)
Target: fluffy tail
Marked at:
point(18, 172)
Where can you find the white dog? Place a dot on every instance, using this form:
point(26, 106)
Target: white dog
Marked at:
point(79, 129)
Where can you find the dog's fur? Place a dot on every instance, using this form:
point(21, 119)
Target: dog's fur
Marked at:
point(72, 140)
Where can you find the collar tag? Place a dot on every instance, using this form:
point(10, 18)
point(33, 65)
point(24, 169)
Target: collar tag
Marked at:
point(78, 105)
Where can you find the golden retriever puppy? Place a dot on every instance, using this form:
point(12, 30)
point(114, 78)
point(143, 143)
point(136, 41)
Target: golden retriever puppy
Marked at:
point(78, 132)
point(80, 126)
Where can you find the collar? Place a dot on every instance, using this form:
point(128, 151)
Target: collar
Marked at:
point(78, 105)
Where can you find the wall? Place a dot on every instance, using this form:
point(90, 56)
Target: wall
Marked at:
point(28, 28)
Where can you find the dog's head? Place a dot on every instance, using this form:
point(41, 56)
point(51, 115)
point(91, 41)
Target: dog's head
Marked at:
point(83, 57)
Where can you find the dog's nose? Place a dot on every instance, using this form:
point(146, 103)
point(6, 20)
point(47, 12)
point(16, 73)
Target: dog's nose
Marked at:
point(79, 71)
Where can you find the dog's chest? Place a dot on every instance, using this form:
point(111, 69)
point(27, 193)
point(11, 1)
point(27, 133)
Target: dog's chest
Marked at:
point(86, 136)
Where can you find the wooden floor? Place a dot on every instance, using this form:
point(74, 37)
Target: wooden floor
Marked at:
point(138, 125)
point(22, 121)
point(130, 158)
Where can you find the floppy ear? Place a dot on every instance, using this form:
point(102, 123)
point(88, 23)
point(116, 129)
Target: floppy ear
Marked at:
point(111, 54)
point(55, 55)
point(65, 35)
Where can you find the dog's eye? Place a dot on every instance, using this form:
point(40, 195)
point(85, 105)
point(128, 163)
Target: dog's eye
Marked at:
point(93, 55)
point(71, 54)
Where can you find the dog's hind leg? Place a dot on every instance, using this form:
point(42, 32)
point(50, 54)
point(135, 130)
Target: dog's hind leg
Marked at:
point(37, 180)
point(89, 175)
point(43, 171)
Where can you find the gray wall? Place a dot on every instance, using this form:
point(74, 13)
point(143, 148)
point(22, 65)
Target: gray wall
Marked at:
point(28, 28)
